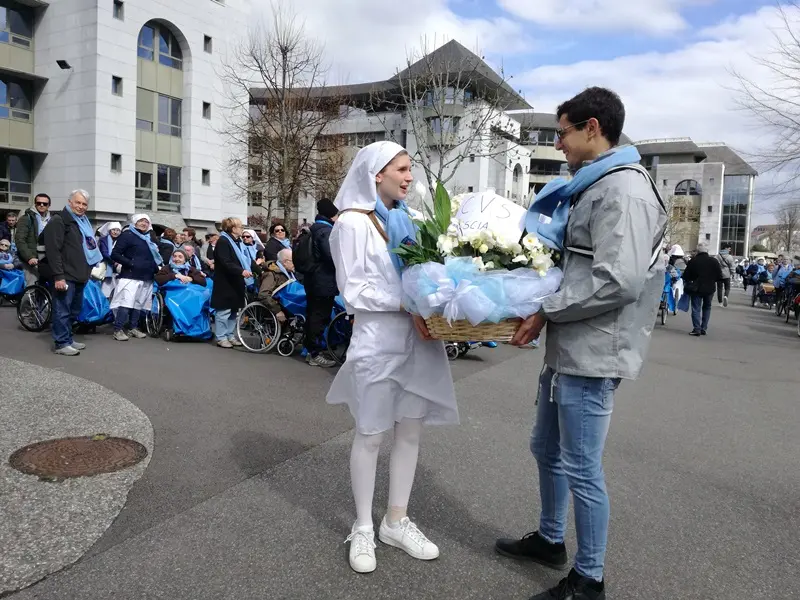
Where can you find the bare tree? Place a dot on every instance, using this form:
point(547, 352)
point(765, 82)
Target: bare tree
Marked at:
point(277, 140)
point(776, 104)
point(454, 105)
point(786, 234)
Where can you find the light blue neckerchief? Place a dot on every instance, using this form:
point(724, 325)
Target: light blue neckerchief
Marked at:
point(150, 244)
point(556, 195)
point(182, 269)
point(287, 243)
point(399, 227)
point(251, 250)
point(90, 249)
point(242, 258)
point(41, 223)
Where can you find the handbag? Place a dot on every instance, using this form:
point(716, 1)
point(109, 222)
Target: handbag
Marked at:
point(691, 287)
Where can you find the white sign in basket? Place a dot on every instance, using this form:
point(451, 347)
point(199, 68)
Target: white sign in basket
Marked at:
point(487, 210)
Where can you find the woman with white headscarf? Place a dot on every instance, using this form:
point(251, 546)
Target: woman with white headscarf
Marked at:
point(395, 377)
point(251, 244)
point(109, 233)
point(137, 251)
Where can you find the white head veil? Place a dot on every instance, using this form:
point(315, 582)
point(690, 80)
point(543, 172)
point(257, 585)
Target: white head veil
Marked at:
point(139, 217)
point(256, 240)
point(676, 250)
point(358, 187)
point(107, 227)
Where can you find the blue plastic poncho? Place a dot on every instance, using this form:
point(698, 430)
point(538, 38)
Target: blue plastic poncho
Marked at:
point(292, 297)
point(95, 308)
point(12, 281)
point(189, 305)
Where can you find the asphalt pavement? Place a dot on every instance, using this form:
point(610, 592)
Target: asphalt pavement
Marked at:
point(247, 492)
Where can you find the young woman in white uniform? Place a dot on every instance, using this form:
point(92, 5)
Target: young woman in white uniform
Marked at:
point(395, 377)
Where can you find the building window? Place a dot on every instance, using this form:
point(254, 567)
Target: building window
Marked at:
point(471, 158)
point(15, 178)
point(169, 188)
point(16, 26)
point(445, 125)
point(206, 177)
point(206, 110)
point(708, 236)
point(119, 10)
point(144, 125)
point(144, 186)
point(469, 189)
point(666, 183)
point(688, 187)
point(256, 173)
point(256, 198)
point(147, 40)
point(15, 99)
point(169, 116)
point(116, 85)
point(208, 44)
point(168, 48)
point(710, 209)
point(116, 163)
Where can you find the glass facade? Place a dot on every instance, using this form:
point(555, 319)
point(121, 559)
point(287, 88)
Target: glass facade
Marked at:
point(735, 205)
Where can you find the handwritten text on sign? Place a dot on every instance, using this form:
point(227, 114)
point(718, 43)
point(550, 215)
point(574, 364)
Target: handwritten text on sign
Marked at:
point(487, 210)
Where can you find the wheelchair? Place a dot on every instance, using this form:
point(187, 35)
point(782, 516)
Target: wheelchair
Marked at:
point(159, 322)
point(337, 336)
point(35, 309)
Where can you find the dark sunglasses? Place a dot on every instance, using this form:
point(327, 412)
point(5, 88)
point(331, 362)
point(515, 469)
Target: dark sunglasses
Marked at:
point(280, 231)
point(42, 203)
point(249, 237)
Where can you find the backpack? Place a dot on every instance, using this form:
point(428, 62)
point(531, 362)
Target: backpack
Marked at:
point(303, 255)
point(552, 221)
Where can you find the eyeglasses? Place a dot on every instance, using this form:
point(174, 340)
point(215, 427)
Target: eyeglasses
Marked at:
point(248, 237)
point(42, 203)
point(560, 133)
point(280, 231)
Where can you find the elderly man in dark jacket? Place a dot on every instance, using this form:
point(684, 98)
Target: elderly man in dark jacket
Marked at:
point(320, 284)
point(700, 282)
point(70, 253)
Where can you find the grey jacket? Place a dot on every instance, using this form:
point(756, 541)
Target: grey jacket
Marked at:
point(728, 266)
point(600, 321)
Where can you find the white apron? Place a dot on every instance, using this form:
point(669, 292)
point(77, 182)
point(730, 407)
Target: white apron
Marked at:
point(390, 373)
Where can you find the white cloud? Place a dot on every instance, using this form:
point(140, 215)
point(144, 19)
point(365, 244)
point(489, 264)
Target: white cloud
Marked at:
point(657, 17)
point(369, 40)
point(690, 92)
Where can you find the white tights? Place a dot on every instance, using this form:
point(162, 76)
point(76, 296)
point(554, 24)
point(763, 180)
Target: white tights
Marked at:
point(402, 466)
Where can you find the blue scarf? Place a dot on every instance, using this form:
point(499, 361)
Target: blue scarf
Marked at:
point(243, 260)
point(251, 251)
point(548, 213)
point(399, 227)
point(182, 269)
point(90, 249)
point(170, 242)
point(287, 243)
point(150, 244)
point(40, 222)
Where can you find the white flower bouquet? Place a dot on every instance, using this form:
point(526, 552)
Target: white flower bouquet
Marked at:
point(472, 275)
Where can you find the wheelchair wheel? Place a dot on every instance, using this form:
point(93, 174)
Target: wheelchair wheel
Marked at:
point(35, 308)
point(286, 347)
point(154, 318)
point(168, 335)
point(755, 295)
point(452, 351)
point(779, 305)
point(337, 337)
point(257, 328)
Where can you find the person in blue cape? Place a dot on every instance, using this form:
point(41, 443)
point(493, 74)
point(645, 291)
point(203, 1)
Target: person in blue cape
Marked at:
point(180, 270)
point(12, 278)
point(138, 253)
point(70, 254)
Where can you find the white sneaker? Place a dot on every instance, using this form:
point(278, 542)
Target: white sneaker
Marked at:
point(408, 537)
point(362, 549)
point(725, 301)
point(136, 333)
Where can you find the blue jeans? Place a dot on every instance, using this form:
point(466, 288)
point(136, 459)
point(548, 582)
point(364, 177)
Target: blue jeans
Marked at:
point(701, 311)
point(124, 316)
point(572, 421)
point(66, 308)
point(225, 324)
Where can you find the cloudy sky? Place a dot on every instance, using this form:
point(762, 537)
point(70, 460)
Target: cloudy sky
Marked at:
point(670, 60)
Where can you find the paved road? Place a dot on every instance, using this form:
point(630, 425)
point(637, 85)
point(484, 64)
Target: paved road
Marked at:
point(247, 493)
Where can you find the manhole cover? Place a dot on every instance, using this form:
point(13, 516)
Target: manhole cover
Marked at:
point(78, 456)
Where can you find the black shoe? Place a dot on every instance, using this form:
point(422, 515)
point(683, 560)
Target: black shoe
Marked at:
point(703, 332)
point(535, 548)
point(574, 587)
point(695, 333)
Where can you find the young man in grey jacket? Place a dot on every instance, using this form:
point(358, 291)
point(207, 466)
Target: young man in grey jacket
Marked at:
point(598, 332)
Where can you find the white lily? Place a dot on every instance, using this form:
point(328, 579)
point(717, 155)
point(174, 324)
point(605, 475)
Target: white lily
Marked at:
point(483, 248)
point(520, 259)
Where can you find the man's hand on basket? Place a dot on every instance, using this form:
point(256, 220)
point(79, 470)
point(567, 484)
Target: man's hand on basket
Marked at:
point(421, 327)
point(529, 330)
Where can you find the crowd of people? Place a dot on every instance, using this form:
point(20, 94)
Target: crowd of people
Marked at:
point(130, 259)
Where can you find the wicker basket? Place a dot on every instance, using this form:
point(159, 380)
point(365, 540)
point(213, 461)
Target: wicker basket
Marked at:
point(464, 331)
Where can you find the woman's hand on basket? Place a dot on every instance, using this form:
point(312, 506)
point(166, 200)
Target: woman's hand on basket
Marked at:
point(421, 327)
point(529, 330)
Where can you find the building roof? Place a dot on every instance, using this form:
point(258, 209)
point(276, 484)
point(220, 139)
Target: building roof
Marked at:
point(734, 164)
point(452, 56)
point(670, 146)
